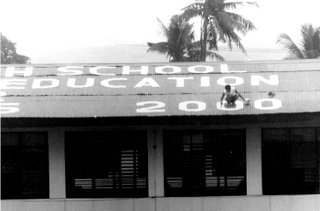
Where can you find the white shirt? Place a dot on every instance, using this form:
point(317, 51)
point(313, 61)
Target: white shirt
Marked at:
point(231, 93)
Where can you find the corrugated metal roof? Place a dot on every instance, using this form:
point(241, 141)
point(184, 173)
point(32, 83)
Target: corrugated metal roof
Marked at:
point(162, 89)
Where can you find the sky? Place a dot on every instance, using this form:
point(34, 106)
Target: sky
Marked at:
point(42, 26)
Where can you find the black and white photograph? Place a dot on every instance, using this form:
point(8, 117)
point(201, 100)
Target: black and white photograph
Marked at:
point(182, 105)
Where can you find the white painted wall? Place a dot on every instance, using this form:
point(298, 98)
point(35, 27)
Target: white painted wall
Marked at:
point(230, 203)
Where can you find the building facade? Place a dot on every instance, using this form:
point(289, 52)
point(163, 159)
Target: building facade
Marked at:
point(155, 137)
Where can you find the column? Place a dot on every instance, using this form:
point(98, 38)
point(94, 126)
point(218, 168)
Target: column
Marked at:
point(151, 164)
point(254, 164)
point(155, 163)
point(159, 164)
point(57, 181)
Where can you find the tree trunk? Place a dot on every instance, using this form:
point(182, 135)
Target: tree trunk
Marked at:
point(203, 41)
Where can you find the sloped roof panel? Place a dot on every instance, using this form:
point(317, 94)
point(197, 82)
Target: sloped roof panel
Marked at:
point(164, 89)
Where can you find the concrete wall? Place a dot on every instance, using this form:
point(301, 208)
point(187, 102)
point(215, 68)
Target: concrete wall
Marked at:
point(239, 203)
point(254, 201)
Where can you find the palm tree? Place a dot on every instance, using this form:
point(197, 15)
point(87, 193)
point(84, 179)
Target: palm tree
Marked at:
point(310, 43)
point(218, 24)
point(194, 53)
point(180, 44)
point(179, 35)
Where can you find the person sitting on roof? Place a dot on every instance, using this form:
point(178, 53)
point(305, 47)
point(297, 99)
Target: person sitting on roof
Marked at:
point(231, 95)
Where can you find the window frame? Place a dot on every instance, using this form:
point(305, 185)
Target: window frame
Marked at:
point(263, 159)
point(205, 190)
point(116, 193)
point(46, 173)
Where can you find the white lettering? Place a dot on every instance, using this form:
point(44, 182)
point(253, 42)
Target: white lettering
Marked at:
point(67, 70)
point(205, 81)
point(161, 70)
point(72, 83)
point(45, 83)
point(147, 82)
point(13, 83)
point(206, 69)
point(224, 68)
point(271, 104)
point(5, 108)
point(256, 79)
point(197, 106)
point(225, 107)
point(11, 71)
point(180, 80)
point(94, 70)
point(106, 82)
point(154, 106)
point(237, 81)
point(127, 70)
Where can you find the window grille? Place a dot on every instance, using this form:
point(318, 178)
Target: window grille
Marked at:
point(208, 162)
point(24, 165)
point(106, 164)
point(290, 160)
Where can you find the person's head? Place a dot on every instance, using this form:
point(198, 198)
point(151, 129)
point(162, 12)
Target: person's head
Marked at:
point(228, 87)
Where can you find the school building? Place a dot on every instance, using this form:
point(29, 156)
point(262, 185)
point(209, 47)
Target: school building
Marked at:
point(154, 136)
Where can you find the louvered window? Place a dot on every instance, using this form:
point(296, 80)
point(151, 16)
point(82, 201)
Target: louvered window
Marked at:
point(106, 164)
point(24, 165)
point(290, 161)
point(209, 162)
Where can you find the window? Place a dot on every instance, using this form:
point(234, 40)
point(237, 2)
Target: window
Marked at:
point(106, 164)
point(209, 162)
point(24, 165)
point(290, 161)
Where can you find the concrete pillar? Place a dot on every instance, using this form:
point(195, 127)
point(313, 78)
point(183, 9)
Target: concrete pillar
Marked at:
point(155, 163)
point(159, 163)
point(254, 164)
point(57, 185)
point(151, 164)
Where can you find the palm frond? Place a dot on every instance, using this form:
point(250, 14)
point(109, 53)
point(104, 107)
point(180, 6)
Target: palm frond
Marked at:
point(218, 24)
point(232, 37)
point(234, 5)
point(239, 23)
point(194, 6)
point(307, 33)
point(195, 45)
point(192, 11)
point(310, 41)
point(164, 29)
point(293, 49)
point(179, 36)
point(185, 32)
point(213, 29)
point(194, 52)
point(160, 47)
point(215, 22)
point(215, 55)
point(316, 39)
point(227, 32)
